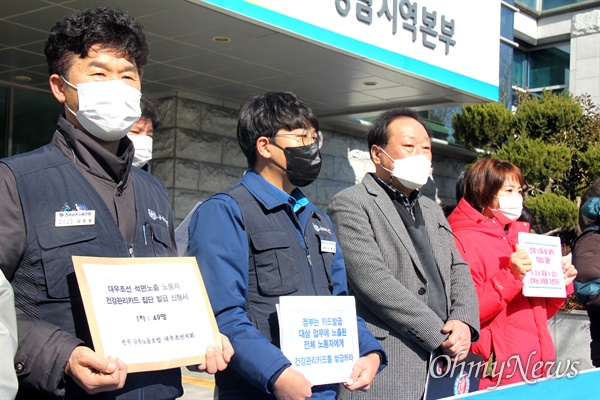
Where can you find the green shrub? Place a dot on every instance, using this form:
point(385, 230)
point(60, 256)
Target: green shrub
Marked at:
point(483, 126)
point(553, 212)
point(554, 140)
point(551, 117)
point(542, 164)
point(587, 130)
point(590, 162)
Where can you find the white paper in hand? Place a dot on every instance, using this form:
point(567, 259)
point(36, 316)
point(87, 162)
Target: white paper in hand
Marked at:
point(546, 278)
point(319, 335)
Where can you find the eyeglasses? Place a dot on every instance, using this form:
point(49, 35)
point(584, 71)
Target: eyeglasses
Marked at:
point(307, 137)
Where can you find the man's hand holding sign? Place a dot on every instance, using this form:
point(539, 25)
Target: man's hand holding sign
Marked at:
point(164, 317)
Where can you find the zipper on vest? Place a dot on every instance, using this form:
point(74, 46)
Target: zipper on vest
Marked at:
point(119, 190)
point(130, 250)
point(310, 265)
point(144, 229)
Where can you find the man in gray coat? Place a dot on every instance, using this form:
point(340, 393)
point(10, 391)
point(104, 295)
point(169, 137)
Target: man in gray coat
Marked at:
point(411, 285)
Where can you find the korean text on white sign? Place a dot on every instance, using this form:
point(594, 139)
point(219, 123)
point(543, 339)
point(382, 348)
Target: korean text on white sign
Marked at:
point(546, 278)
point(319, 335)
point(152, 313)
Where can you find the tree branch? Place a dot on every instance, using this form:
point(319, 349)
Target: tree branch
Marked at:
point(552, 232)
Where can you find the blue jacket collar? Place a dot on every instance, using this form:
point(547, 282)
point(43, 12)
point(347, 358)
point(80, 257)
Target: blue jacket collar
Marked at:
point(268, 195)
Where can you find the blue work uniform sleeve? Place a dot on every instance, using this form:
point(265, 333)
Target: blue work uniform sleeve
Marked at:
point(218, 240)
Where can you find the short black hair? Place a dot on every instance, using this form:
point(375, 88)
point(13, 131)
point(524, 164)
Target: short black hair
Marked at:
point(378, 133)
point(111, 28)
point(150, 111)
point(527, 216)
point(266, 114)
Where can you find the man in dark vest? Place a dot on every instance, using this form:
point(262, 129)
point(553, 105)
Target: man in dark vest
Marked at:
point(263, 239)
point(96, 58)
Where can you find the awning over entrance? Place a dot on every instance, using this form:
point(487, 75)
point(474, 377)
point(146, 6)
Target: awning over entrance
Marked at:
point(346, 58)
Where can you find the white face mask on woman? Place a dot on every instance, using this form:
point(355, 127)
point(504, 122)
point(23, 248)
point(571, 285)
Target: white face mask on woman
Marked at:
point(509, 208)
point(107, 109)
point(412, 172)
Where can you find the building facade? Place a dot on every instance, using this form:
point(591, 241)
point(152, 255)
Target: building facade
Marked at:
point(558, 47)
point(536, 44)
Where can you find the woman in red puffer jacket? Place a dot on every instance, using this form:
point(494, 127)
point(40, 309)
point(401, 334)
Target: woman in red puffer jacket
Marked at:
point(514, 339)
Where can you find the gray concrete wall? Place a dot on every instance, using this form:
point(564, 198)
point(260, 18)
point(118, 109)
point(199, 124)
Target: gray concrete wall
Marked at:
point(196, 155)
point(585, 54)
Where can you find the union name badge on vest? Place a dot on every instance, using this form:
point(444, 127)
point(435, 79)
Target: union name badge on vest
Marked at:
point(74, 218)
point(327, 246)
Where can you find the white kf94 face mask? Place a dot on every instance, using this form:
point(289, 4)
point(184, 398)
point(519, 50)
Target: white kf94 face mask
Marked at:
point(509, 208)
point(107, 109)
point(412, 172)
point(143, 149)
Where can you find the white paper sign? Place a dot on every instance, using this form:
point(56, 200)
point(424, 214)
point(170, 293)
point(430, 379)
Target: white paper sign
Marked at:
point(152, 313)
point(546, 278)
point(319, 335)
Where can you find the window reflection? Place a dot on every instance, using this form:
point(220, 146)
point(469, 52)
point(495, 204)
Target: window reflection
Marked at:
point(34, 119)
point(542, 68)
point(550, 4)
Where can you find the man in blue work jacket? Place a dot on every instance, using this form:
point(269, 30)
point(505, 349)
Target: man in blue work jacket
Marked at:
point(263, 239)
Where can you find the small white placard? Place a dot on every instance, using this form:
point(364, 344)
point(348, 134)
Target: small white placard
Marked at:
point(546, 278)
point(74, 218)
point(319, 335)
point(328, 246)
point(152, 313)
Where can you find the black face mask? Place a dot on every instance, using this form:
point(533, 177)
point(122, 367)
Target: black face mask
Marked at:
point(303, 164)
